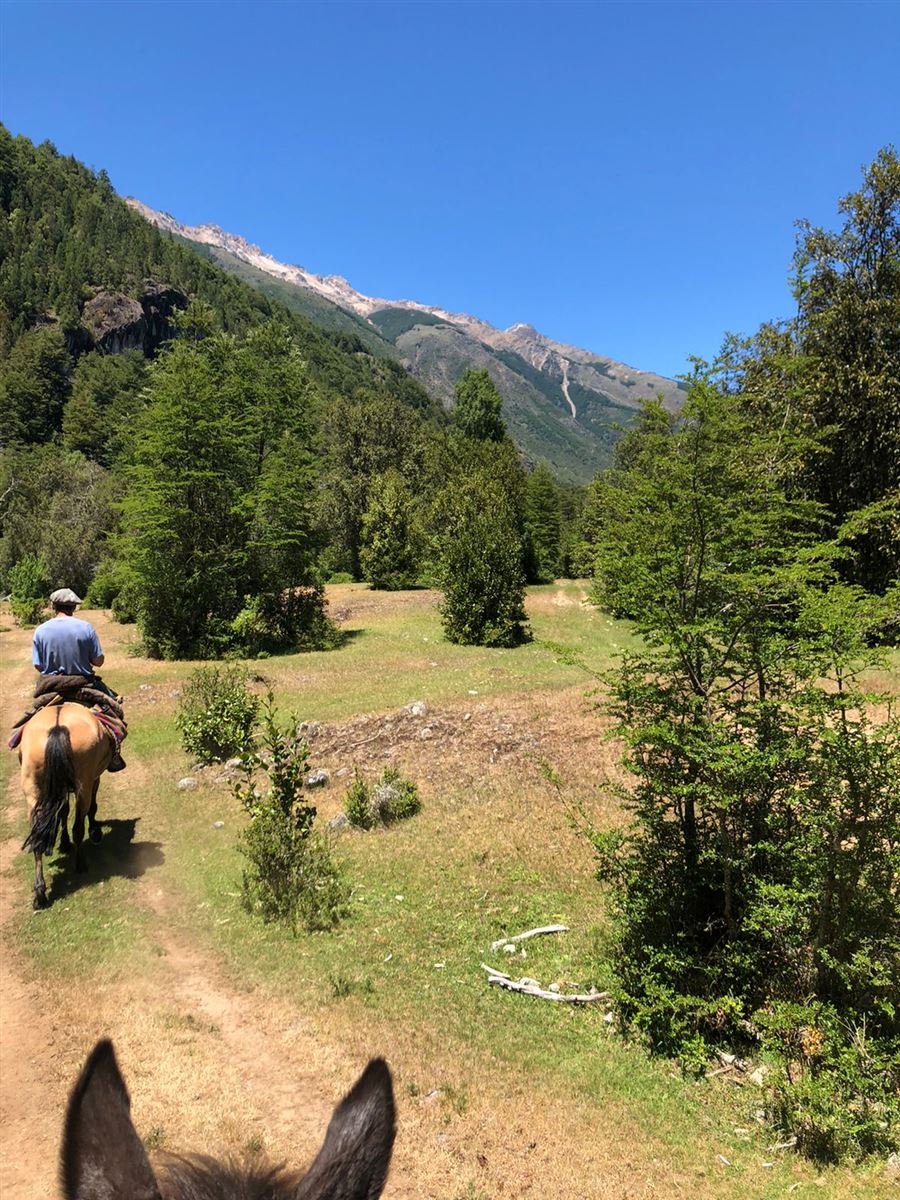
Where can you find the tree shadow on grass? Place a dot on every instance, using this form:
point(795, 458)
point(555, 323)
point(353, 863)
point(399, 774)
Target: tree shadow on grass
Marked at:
point(118, 855)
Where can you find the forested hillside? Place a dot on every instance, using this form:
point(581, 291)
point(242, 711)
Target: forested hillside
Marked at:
point(178, 416)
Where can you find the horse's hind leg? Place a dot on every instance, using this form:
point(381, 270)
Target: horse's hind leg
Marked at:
point(65, 845)
point(32, 789)
point(81, 806)
point(94, 831)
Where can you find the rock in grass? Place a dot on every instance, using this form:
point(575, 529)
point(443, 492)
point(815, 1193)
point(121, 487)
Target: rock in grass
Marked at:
point(418, 708)
point(317, 778)
point(186, 784)
point(339, 822)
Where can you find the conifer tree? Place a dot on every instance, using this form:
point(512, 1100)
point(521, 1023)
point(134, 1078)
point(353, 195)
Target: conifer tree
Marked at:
point(543, 522)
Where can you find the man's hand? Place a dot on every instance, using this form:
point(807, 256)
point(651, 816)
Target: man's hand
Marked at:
point(98, 662)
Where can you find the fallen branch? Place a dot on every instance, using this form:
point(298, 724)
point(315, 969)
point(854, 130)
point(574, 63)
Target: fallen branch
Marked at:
point(531, 987)
point(529, 933)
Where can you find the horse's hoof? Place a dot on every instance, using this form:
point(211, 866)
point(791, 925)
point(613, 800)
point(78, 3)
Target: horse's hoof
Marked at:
point(40, 901)
point(96, 835)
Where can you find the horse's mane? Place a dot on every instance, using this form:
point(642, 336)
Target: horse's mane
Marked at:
point(198, 1177)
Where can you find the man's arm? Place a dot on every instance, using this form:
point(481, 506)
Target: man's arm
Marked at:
point(97, 655)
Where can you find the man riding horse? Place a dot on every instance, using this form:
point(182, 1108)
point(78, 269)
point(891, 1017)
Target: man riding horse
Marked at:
point(65, 651)
point(69, 737)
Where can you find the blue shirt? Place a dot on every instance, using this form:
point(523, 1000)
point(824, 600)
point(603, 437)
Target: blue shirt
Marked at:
point(65, 646)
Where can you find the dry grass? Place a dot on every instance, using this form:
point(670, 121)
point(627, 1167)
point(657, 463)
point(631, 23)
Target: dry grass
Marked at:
point(234, 1035)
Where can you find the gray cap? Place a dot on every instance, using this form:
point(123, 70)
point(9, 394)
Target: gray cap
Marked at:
point(64, 596)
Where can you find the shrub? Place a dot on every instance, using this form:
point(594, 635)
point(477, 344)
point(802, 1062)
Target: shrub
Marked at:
point(217, 714)
point(27, 582)
point(393, 798)
point(295, 620)
point(291, 874)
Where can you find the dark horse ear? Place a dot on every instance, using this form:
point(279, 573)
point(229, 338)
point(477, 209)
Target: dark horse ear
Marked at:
point(353, 1162)
point(102, 1155)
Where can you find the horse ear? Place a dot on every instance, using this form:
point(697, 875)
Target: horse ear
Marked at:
point(102, 1155)
point(354, 1159)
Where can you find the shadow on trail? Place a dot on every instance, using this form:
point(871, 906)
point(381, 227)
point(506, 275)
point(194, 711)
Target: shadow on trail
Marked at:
point(118, 855)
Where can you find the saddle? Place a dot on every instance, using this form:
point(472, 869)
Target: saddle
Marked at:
point(75, 689)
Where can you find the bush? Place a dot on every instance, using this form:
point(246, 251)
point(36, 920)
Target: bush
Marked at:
point(393, 798)
point(217, 714)
point(27, 582)
point(296, 620)
point(291, 875)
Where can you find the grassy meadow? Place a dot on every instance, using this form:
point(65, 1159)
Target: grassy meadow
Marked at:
point(499, 1094)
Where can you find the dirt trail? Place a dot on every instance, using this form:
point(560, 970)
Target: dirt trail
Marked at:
point(261, 1076)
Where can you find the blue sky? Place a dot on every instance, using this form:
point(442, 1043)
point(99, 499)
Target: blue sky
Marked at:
point(625, 177)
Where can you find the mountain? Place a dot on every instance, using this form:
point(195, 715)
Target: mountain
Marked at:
point(561, 403)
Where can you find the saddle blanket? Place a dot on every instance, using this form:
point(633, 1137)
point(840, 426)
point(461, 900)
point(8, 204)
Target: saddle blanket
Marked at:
point(113, 726)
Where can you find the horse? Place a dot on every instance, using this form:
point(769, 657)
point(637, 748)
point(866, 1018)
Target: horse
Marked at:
point(64, 750)
point(103, 1157)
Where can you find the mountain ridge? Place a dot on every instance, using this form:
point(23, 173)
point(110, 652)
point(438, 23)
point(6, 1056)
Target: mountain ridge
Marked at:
point(561, 402)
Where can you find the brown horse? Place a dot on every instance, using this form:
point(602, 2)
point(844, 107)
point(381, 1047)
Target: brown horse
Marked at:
point(103, 1157)
point(64, 750)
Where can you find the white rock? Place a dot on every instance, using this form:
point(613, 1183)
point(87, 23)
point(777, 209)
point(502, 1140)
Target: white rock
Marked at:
point(418, 708)
point(185, 785)
point(317, 778)
point(232, 763)
point(426, 733)
point(218, 824)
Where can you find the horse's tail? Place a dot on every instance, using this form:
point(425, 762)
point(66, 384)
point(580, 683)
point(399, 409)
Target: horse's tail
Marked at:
point(57, 782)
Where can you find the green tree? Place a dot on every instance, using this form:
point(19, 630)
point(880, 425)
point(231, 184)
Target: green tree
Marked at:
point(59, 507)
point(218, 510)
point(481, 565)
point(478, 404)
point(365, 436)
point(389, 535)
point(837, 366)
point(106, 396)
point(755, 891)
point(34, 384)
point(543, 523)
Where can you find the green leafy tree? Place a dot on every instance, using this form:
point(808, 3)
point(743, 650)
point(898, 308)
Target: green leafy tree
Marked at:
point(481, 565)
point(106, 396)
point(218, 509)
point(543, 523)
point(388, 558)
point(56, 506)
point(34, 384)
point(837, 367)
point(478, 404)
point(755, 891)
point(366, 437)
